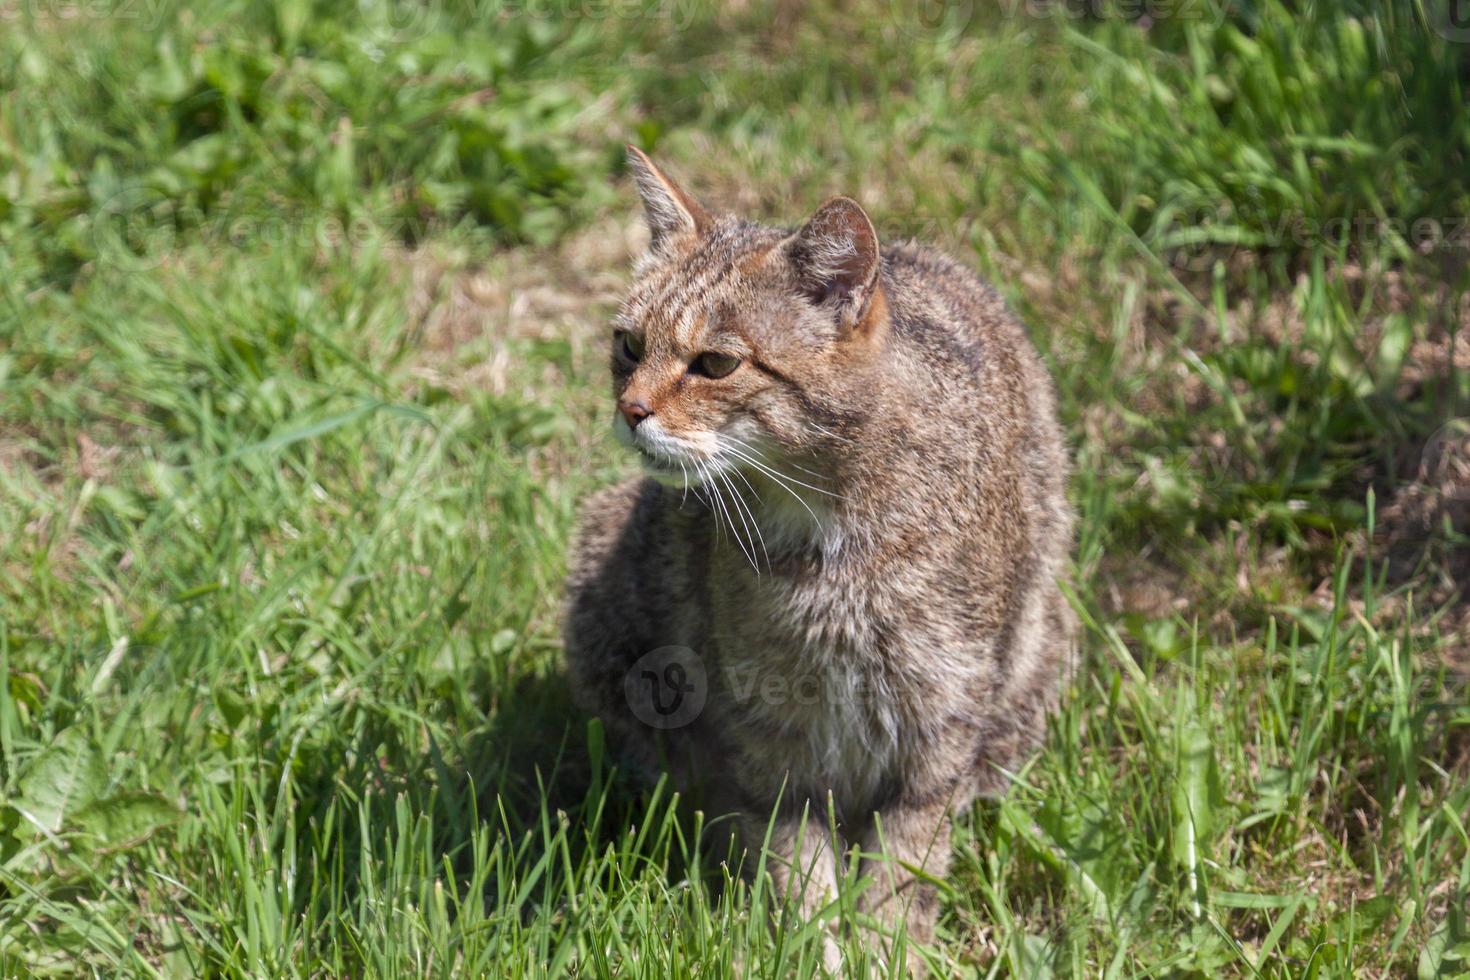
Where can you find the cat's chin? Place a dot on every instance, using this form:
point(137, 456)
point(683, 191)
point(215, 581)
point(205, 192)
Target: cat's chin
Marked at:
point(668, 473)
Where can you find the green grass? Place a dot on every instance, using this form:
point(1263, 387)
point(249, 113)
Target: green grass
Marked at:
point(301, 380)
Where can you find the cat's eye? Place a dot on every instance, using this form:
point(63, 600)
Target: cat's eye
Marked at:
point(630, 345)
point(713, 364)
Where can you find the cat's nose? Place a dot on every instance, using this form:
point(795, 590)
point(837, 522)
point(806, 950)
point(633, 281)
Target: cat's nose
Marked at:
point(635, 410)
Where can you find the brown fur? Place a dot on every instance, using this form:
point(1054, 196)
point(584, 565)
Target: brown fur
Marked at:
point(894, 639)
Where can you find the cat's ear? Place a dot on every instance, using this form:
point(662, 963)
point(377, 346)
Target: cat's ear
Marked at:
point(836, 259)
point(669, 210)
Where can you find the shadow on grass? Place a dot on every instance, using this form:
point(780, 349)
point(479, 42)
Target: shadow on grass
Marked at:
point(533, 781)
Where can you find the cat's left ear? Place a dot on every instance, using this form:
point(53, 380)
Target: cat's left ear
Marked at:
point(836, 258)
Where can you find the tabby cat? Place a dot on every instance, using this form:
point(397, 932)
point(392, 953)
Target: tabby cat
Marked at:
point(835, 589)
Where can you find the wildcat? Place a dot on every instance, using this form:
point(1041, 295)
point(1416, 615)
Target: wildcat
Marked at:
point(836, 585)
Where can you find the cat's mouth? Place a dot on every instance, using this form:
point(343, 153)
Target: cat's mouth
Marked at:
point(677, 462)
point(665, 455)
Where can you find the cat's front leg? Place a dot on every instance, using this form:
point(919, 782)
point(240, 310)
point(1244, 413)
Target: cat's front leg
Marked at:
point(907, 843)
point(801, 863)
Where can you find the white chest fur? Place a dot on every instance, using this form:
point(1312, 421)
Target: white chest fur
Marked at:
point(812, 698)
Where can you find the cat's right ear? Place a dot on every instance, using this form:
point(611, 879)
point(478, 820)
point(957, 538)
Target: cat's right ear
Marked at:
point(836, 258)
point(670, 211)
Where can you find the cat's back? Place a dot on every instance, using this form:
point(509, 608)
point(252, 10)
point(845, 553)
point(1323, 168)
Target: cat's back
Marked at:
point(984, 403)
point(941, 306)
point(965, 346)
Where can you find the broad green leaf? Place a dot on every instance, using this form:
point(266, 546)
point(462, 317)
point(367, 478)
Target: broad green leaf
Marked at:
point(126, 818)
point(1197, 797)
point(65, 777)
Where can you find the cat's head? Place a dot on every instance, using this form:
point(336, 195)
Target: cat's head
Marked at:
point(740, 346)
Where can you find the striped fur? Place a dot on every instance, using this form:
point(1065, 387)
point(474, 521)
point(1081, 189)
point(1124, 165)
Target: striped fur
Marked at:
point(871, 583)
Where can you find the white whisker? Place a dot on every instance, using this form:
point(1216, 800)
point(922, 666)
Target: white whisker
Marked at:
point(749, 552)
point(742, 507)
point(754, 457)
point(748, 485)
point(774, 474)
point(776, 479)
point(762, 456)
point(701, 492)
